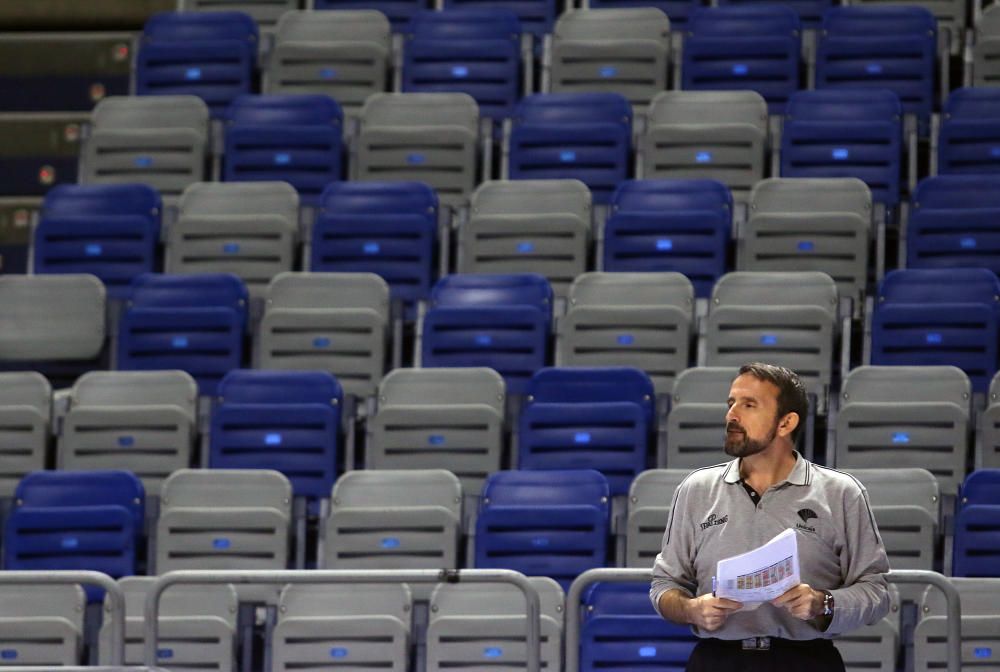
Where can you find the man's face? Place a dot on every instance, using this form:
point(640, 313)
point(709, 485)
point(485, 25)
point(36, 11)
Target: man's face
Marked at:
point(752, 418)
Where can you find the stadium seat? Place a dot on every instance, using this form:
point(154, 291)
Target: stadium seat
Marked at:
point(161, 141)
point(786, 318)
point(642, 320)
point(622, 50)
point(389, 519)
point(988, 442)
point(247, 229)
point(810, 11)
point(938, 316)
point(211, 55)
point(952, 22)
point(536, 16)
point(143, 421)
point(38, 150)
point(265, 12)
point(289, 138)
point(985, 48)
point(819, 224)
point(881, 47)
point(583, 136)
point(588, 418)
point(25, 420)
point(874, 647)
point(347, 626)
point(498, 321)
point(697, 415)
point(439, 419)
point(77, 520)
point(528, 226)
point(343, 54)
point(478, 625)
point(977, 524)
point(544, 523)
point(980, 638)
point(386, 228)
point(475, 51)
point(745, 47)
point(223, 519)
point(197, 626)
point(967, 139)
point(422, 137)
point(398, 12)
point(885, 422)
point(110, 231)
point(716, 135)
point(621, 631)
point(41, 625)
point(845, 133)
point(670, 225)
point(194, 323)
point(336, 322)
point(678, 11)
point(650, 499)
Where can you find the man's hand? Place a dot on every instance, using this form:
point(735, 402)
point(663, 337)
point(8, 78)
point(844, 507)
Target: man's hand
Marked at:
point(708, 612)
point(801, 602)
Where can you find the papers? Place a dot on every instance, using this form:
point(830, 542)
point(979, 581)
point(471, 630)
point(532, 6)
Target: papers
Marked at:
point(762, 574)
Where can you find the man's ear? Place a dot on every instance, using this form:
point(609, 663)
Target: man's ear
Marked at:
point(788, 424)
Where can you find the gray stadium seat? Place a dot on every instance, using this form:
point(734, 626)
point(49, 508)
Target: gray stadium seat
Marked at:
point(344, 54)
point(353, 626)
point(720, 135)
point(988, 444)
point(197, 626)
point(245, 228)
point(142, 421)
point(161, 141)
point(264, 12)
point(336, 322)
point(25, 416)
point(224, 519)
point(980, 627)
point(528, 226)
point(481, 626)
point(424, 137)
point(697, 419)
point(821, 224)
point(389, 519)
point(439, 419)
point(629, 319)
point(873, 647)
point(51, 317)
point(788, 319)
point(41, 625)
point(649, 500)
point(986, 48)
point(625, 51)
point(905, 416)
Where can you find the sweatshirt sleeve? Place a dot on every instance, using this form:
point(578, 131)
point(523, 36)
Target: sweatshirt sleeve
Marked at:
point(674, 566)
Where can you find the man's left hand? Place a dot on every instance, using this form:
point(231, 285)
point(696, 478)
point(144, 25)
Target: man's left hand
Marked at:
point(801, 602)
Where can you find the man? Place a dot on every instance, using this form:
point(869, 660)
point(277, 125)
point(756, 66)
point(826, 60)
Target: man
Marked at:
point(737, 506)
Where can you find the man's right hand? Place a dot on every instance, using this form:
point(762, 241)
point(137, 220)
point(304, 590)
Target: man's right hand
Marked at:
point(708, 612)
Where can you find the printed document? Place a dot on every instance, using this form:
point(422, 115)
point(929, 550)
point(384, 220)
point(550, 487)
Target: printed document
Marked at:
point(762, 574)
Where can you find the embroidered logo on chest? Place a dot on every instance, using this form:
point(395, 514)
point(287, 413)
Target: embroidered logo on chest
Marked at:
point(806, 515)
point(713, 520)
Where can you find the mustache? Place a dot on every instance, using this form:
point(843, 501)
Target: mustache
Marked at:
point(734, 427)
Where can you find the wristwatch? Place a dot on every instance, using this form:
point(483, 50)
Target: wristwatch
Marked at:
point(827, 603)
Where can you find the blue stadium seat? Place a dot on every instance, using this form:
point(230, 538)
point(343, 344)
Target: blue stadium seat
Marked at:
point(399, 12)
point(76, 520)
point(756, 47)
point(206, 54)
point(977, 526)
point(497, 321)
point(194, 323)
point(955, 222)
point(583, 136)
point(678, 11)
point(110, 231)
point(621, 631)
point(670, 225)
point(588, 418)
point(288, 421)
point(475, 51)
point(880, 48)
point(969, 138)
point(536, 16)
point(810, 12)
point(543, 523)
point(387, 228)
point(938, 316)
point(845, 133)
point(291, 138)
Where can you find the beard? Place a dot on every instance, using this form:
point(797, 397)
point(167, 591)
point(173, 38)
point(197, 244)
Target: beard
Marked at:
point(741, 445)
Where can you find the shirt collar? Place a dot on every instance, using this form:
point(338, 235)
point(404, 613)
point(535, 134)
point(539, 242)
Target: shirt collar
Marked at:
point(800, 474)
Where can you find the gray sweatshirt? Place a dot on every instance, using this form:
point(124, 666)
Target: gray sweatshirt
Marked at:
point(713, 517)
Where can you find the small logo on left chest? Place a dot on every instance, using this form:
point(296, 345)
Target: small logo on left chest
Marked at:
point(806, 515)
point(713, 520)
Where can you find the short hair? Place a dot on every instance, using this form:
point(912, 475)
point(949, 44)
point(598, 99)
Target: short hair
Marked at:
point(791, 392)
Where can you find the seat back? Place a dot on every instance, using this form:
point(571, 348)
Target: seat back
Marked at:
point(25, 418)
point(398, 12)
point(535, 16)
point(951, 223)
point(967, 135)
point(977, 524)
point(649, 502)
point(989, 428)
point(985, 47)
point(980, 642)
point(810, 12)
point(697, 417)
point(42, 624)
